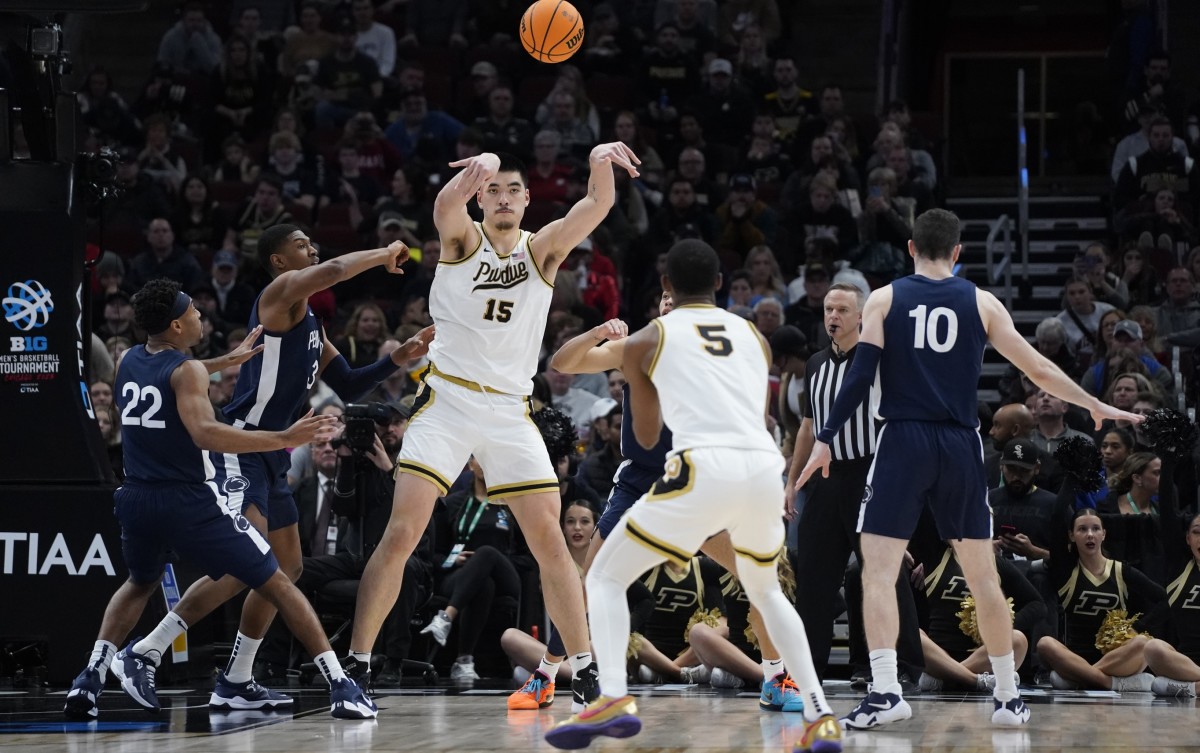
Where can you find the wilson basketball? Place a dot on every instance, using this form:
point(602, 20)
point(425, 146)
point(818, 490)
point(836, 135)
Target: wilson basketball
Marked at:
point(551, 31)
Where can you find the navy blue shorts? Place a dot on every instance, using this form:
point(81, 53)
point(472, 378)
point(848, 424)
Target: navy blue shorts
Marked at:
point(919, 463)
point(633, 481)
point(195, 522)
point(259, 479)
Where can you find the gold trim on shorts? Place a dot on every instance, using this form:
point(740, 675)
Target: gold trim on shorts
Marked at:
point(655, 544)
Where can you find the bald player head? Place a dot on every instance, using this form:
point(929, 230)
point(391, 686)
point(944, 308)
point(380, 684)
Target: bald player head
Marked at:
point(1011, 421)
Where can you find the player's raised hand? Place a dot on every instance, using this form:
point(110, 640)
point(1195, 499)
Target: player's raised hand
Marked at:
point(1104, 411)
point(477, 170)
point(618, 154)
point(311, 428)
point(246, 350)
point(415, 346)
point(397, 255)
point(818, 459)
point(613, 329)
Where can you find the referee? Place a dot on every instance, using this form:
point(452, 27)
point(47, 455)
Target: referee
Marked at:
point(828, 529)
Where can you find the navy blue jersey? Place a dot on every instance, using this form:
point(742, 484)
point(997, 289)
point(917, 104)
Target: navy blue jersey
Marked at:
point(933, 352)
point(156, 445)
point(273, 386)
point(653, 459)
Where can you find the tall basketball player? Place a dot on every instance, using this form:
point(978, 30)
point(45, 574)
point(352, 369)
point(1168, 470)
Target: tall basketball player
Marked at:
point(923, 338)
point(489, 301)
point(703, 371)
point(174, 498)
point(270, 393)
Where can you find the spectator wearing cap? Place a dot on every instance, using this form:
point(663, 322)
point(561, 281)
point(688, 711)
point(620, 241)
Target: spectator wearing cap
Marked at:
point(808, 313)
point(744, 221)
point(421, 133)
point(191, 46)
point(1022, 510)
point(1128, 344)
point(348, 80)
point(668, 78)
point(110, 276)
point(1139, 141)
point(724, 108)
point(374, 40)
point(599, 466)
point(502, 130)
point(682, 211)
point(473, 103)
point(1015, 421)
point(789, 352)
point(118, 317)
point(822, 217)
point(438, 23)
point(306, 41)
point(696, 21)
point(1052, 429)
point(235, 299)
point(393, 227)
point(163, 258)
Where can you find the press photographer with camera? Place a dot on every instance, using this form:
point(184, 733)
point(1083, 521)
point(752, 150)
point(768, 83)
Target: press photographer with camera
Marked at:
point(344, 509)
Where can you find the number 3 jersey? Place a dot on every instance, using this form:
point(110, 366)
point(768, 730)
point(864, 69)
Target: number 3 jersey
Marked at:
point(933, 341)
point(156, 445)
point(490, 311)
point(710, 369)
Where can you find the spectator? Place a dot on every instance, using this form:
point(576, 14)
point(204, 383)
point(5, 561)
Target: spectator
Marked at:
point(668, 77)
point(1104, 343)
point(191, 46)
point(241, 96)
point(682, 213)
point(608, 42)
point(415, 216)
point(1094, 265)
point(724, 107)
point(752, 64)
point(265, 209)
point(1051, 429)
point(598, 468)
point(740, 292)
point(577, 137)
point(1157, 225)
point(1156, 90)
point(199, 222)
point(884, 228)
point(1081, 317)
point(692, 167)
point(897, 113)
point(549, 173)
point(1140, 277)
point(364, 335)
point(378, 160)
point(1179, 311)
point(908, 185)
point(766, 280)
point(1139, 141)
point(1147, 318)
point(808, 313)
point(736, 16)
point(347, 185)
point(166, 95)
point(1156, 168)
point(104, 110)
point(163, 258)
point(831, 108)
point(574, 402)
point(421, 133)
point(287, 120)
point(374, 40)
point(273, 18)
point(235, 299)
point(348, 80)
point(263, 43)
point(696, 21)
point(139, 200)
point(1134, 489)
point(158, 159)
point(306, 42)
point(768, 316)
point(549, 111)
point(921, 164)
point(744, 221)
point(788, 104)
point(299, 183)
point(820, 149)
point(1021, 503)
point(118, 323)
point(236, 166)
point(840, 130)
point(502, 131)
point(823, 217)
point(1128, 345)
point(484, 78)
point(439, 23)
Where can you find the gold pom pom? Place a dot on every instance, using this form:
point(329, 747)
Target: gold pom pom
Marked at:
point(787, 578)
point(710, 617)
point(968, 619)
point(1116, 630)
point(635, 645)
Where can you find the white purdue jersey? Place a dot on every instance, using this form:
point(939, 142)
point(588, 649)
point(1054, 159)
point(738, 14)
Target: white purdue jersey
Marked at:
point(710, 370)
point(490, 312)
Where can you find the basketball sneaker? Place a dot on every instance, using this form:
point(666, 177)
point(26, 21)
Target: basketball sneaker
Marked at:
point(135, 672)
point(463, 671)
point(85, 691)
point(877, 709)
point(780, 694)
point(358, 671)
point(1012, 713)
point(609, 717)
point(439, 627)
point(536, 693)
point(697, 675)
point(245, 695)
point(348, 701)
point(585, 687)
point(1162, 686)
point(930, 684)
point(1058, 682)
point(860, 680)
point(723, 678)
point(822, 736)
point(1142, 682)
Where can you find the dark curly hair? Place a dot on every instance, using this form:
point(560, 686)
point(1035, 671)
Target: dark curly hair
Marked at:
point(152, 305)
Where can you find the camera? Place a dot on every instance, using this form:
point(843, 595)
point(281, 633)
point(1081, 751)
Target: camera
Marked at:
point(360, 420)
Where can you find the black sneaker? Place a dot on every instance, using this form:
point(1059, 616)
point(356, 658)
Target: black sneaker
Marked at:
point(585, 687)
point(358, 671)
point(860, 679)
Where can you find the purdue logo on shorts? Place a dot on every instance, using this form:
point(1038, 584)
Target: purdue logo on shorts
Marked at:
point(677, 478)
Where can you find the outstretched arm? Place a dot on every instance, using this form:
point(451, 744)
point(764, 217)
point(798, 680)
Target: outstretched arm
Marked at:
point(238, 355)
point(450, 216)
point(292, 288)
point(351, 384)
point(643, 395)
point(599, 349)
point(552, 243)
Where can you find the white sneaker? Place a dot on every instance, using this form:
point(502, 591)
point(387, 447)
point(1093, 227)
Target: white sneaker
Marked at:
point(877, 709)
point(1012, 713)
point(439, 627)
point(1142, 682)
point(722, 678)
point(698, 675)
point(463, 670)
point(647, 676)
point(1168, 688)
point(1058, 682)
point(927, 683)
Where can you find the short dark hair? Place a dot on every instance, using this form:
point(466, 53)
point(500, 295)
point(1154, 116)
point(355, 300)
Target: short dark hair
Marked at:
point(1161, 120)
point(270, 242)
point(511, 164)
point(692, 267)
point(272, 180)
point(936, 233)
point(152, 305)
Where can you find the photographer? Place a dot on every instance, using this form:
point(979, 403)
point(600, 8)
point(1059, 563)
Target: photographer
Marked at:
point(344, 509)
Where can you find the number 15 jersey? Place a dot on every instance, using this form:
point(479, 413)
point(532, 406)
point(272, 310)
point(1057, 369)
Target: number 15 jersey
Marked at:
point(490, 312)
point(933, 341)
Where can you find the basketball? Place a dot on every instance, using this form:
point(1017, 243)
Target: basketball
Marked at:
point(551, 31)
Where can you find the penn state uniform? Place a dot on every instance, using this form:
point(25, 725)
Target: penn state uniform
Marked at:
point(270, 395)
point(929, 447)
point(173, 498)
point(724, 473)
point(677, 596)
point(636, 474)
point(490, 311)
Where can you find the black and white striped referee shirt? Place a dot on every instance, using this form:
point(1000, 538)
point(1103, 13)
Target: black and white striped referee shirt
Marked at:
point(823, 380)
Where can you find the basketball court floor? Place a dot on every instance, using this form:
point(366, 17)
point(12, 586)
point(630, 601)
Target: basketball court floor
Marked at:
point(676, 719)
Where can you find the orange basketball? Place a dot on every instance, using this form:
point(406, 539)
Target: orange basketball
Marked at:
point(551, 31)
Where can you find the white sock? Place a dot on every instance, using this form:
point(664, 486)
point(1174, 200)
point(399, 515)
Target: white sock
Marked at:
point(1006, 684)
point(331, 668)
point(771, 667)
point(241, 660)
point(580, 662)
point(101, 659)
point(883, 671)
point(153, 646)
point(364, 658)
point(548, 668)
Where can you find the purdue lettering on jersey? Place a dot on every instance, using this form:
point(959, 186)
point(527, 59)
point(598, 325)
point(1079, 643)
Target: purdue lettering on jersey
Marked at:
point(1086, 599)
point(500, 278)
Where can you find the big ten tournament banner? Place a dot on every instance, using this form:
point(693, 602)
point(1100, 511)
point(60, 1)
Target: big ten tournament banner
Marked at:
point(54, 437)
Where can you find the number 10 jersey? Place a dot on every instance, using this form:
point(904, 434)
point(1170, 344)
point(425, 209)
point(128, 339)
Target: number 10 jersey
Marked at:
point(490, 312)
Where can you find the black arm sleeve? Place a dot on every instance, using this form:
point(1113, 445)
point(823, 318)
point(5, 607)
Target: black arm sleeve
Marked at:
point(1170, 523)
point(710, 575)
point(1062, 559)
point(1149, 598)
point(1028, 606)
point(641, 606)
